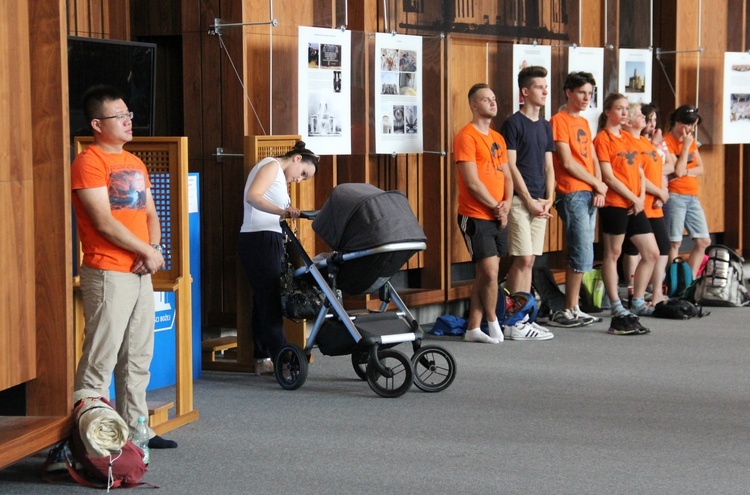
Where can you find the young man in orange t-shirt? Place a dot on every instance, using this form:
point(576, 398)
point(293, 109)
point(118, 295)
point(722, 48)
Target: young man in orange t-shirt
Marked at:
point(579, 192)
point(120, 235)
point(485, 190)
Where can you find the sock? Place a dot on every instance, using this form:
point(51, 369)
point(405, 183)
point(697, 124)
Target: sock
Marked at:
point(157, 442)
point(618, 309)
point(637, 303)
point(477, 335)
point(496, 331)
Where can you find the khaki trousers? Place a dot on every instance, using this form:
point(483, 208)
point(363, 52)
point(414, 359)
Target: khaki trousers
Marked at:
point(118, 337)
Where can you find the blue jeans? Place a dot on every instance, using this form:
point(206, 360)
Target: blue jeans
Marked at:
point(578, 213)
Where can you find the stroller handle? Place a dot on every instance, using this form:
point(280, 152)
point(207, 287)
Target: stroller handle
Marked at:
point(308, 214)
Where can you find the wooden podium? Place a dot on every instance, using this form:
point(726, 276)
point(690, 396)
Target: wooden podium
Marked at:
point(166, 159)
point(239, 349)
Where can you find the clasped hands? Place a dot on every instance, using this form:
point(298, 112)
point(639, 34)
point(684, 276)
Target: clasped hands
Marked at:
point(145, 265)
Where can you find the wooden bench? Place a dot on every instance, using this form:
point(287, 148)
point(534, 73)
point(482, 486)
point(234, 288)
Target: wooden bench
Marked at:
point(210, 347)
point(158, 412)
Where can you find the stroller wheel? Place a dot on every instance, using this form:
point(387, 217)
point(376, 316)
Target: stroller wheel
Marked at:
point(359, 363)
point(434, 368)
point(399, 374)
point(291, 367)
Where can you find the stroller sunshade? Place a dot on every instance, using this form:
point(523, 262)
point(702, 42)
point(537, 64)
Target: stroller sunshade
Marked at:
point(361, 216)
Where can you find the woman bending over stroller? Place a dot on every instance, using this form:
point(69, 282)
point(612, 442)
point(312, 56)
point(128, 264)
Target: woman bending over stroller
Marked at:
point(261, 243)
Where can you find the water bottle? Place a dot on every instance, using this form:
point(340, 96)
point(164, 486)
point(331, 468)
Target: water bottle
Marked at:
point(140, 438)
point(631, 289)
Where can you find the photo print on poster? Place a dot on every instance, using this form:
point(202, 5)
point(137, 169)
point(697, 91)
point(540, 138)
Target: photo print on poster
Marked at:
point(324, 91)
point(399, 100)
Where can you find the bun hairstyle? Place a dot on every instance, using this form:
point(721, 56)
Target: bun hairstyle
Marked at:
point(685, 114)
point(307, 155)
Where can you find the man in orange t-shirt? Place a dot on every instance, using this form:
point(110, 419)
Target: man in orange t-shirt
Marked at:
point(485, 190)
point(579, 192)
point(120, 235)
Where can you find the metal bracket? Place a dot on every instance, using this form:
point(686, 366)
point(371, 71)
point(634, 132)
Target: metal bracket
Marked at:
point(220, 155)
point(216, 27)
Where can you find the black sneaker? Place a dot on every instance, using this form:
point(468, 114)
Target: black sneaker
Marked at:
point(637, 323)
point(623, 325)
point(564, 319)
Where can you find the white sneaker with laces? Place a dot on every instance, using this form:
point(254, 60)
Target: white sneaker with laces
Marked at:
point(523, 330)
point(584, 318)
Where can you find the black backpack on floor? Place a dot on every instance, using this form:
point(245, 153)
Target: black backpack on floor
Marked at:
point(551, 298)
point(678, 309)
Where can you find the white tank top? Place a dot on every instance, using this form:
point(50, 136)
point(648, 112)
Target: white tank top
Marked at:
point(255, 220)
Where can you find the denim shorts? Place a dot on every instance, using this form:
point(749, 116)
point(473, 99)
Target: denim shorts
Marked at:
point(685, 213)
point(578, 214)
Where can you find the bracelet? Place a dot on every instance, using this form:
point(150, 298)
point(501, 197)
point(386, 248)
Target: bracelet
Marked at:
point(158, 247)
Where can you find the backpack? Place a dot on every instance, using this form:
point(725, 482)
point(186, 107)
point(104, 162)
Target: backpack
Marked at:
point(678, 277)
point(123, 469)
point(722, 283)
point(678, 309)
point(552, 299)
point(518, 306)
point(593, 296)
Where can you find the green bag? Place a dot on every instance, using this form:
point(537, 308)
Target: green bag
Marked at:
point(593, 296)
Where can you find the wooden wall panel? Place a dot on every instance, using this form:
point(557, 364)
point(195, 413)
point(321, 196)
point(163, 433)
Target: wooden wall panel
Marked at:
point(17, 303)
point(51, 393)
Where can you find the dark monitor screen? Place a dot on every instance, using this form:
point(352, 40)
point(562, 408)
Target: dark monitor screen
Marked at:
point(127, 65)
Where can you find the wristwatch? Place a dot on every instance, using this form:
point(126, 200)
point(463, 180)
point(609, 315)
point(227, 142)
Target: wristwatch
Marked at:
point(158, 247)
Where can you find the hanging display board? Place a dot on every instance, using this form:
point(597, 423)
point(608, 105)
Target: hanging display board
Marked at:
point(398, 96)
point(635, 79)
point(736, 99)
point(525, 56)
point(324, 110)
point(585, 59)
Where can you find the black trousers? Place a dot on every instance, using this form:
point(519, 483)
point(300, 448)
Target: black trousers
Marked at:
point(261, 254)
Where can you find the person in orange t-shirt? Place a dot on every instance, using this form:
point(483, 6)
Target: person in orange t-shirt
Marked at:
point(120, 235)
point(485, 190)
point(623, 211)
point(684, 210)
point(656, 196)
point(579, 192)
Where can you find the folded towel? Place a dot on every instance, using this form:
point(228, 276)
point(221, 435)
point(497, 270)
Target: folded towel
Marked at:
point(102, 429)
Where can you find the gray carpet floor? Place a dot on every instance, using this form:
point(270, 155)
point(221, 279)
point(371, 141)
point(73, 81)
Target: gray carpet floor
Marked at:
point(583, 413)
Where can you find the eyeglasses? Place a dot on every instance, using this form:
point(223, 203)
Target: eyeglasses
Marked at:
point(120, 117)
point(692, 110)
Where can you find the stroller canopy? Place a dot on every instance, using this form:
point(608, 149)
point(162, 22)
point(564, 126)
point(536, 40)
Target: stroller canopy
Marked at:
point(360, 216)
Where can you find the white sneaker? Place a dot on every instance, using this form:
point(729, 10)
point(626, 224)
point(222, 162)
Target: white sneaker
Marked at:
point(584, 318)
point(263, 367)
point(526, 331)
point(539, 328)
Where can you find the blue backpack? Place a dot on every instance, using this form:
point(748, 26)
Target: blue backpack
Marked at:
point(678, 277)
point(518, 305)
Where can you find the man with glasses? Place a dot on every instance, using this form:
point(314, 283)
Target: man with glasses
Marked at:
point(120, 235)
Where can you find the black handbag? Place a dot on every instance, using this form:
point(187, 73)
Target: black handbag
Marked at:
point(301, 298)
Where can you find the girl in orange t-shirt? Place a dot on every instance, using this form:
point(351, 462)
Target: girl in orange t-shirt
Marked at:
point(656, 196)
point(684, 210)
point(622, 171)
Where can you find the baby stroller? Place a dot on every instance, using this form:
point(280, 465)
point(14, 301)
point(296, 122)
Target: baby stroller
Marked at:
point(373, 233)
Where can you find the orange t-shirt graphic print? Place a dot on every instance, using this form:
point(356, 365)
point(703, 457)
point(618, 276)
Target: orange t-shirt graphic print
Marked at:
point(126, 179)
point(489, 152)
point(575, 132)
point(622, 155)
point(683, 185)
